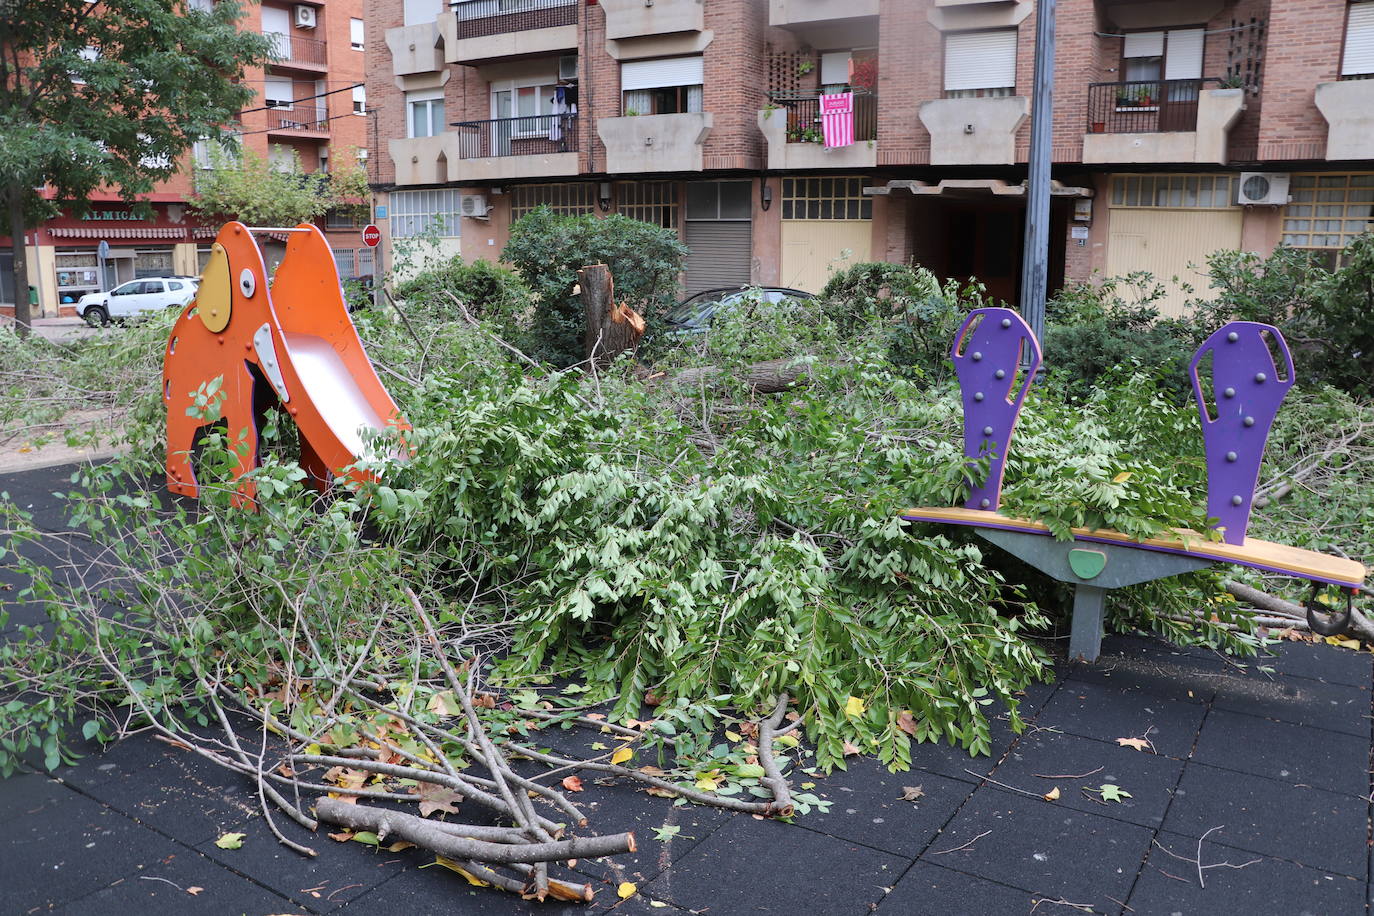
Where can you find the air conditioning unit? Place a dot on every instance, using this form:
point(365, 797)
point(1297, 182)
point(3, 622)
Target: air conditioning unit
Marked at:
point(473, 205)
point(305, 16)
point(1261, 189)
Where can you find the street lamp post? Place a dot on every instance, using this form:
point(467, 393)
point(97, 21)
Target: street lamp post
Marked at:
point(1035, 254)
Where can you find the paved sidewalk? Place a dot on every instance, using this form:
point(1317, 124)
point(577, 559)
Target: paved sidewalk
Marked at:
point(1265, 765)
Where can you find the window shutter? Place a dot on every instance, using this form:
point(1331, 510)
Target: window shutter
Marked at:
point(1143, 44)
point(1359, 41)
point(834, 68)
point(980, 60)
point(278, 91)
point(355, 31)
point(1184, 60)
point(658, 74)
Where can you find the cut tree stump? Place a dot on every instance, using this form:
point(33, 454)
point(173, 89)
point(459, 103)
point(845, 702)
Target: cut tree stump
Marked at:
point(611, 329)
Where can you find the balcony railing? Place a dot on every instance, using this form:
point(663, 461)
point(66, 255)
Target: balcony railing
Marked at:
point(539, 135)
point(293, 50)
point(294, 120)
point(804, 115)
point(1144, 106)
point(477, 18)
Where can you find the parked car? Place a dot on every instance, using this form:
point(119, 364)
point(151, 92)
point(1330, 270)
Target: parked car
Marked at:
point(695, 314)
point(147, 294)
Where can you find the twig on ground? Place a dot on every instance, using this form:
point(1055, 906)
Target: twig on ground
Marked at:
point(962, 846)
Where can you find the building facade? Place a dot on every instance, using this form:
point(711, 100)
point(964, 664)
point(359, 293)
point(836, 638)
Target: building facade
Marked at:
point(1180, 127)
point(306, 106)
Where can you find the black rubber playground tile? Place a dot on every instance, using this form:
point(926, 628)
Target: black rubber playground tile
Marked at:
point(71, 849)
point(1170, 883)
point(339, 873)
point(181, 883)
point(1301, 701)
point(1320, 662)
point(932, 890)
point(1150, 779)
point(955, 762)
point(1108, 713)
point(1314, 827)
point(867, 806)
point(1172, 679)
point(1051, 851)
point(1288, 753)
point(24, 794)
point(763, 866)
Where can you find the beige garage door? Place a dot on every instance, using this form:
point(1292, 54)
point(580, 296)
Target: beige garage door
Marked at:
point(812, 249)
point(1169, 244)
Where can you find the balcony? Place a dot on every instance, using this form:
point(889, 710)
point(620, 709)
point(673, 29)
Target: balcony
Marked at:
point(510, 148)
point(792, 127)
point(482, 30)
point(415, 49)
point(298, 53)
point(655, 143)
point(422, 160)
point(1348, 107)
point(1152, 121)
point(637, 19)
point(980, 131)
point(298, 123)
point(813, 12)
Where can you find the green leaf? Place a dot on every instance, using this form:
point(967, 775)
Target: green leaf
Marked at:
point(367, 838)
point(230, 841)
point(666, 832)
point(1113, 793)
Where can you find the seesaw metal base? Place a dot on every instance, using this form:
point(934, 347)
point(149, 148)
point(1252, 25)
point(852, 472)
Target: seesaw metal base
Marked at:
point(1093, 569)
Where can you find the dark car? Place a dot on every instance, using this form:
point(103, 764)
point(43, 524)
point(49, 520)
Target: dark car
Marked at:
point(695, 314)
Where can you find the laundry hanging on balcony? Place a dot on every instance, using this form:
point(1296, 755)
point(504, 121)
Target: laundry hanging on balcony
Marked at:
point(837, 119)
point(560, 111)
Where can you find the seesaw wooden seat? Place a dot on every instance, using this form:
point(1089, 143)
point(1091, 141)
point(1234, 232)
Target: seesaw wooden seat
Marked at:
point(1254, 553)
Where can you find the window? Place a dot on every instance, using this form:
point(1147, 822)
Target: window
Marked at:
point(276, 25)
point(359, 100)
point(826, 198)
point(1326, 211)
point(175, 285)
point(571, 199)
point(980, 63)
point(88, 53)
point(340, 219)
point(1358, 60)
point(669, 85)
point(365, 263)
point(205, 6)
point(210, 154)
point(1191, 192)
point(1172, 54)
point(720, 200)
point(152, 263)
point(355, 34)
point(282, 159)
point(528, 97)
point(415, 213)
point(425, 113)
point(278, 92)
point(343, 257)
point(324, 159)
point(648, 201)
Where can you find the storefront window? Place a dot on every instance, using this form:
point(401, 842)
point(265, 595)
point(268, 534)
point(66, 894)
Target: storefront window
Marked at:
point(153, 262)
point(77, 274)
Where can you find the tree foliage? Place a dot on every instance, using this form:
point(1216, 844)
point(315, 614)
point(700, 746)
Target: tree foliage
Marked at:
point(109, 95)
point(547, 249)
point(246, 187)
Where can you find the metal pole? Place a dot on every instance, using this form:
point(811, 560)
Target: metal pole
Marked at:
point(1035, 253)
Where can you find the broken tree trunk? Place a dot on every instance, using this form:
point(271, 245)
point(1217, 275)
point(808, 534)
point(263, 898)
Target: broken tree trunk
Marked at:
point(767, 377)
point(611, 329)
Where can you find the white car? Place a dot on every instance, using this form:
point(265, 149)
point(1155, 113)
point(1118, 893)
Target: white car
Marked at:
point(148, 294)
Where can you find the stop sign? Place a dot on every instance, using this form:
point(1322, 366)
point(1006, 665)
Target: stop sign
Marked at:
point(372, 236)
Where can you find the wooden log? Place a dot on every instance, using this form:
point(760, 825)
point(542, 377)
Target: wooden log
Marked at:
point(768, 377)
point(610, 329)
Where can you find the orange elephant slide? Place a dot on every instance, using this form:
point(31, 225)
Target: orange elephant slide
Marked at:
point(287, 343)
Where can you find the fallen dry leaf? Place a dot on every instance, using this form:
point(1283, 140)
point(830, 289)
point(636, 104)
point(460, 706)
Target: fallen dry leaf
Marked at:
point(1139, 744)
point(598, 716)
point(907, 722)
point(652, 699)
point(912, 793)
point(661, 792)
point(1052, 794)
point(572, 783)
point(484, 701)
point(622, 755)
point(454, 866)
point(437, 798)
point(850, 749)
point(749, 729)
point(627, 889)
point(341, 837)
point(193, 890)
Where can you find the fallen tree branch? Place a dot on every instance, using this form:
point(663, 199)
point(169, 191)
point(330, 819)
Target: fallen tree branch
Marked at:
point(772, 776)
point(767, 377)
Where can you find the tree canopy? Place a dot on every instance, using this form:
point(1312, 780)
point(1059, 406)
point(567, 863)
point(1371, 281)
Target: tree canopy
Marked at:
point(249, 188)
point(109, 94)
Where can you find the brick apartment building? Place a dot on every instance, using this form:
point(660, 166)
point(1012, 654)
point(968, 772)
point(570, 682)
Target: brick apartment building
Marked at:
point(321, 48)
point(1181, 127)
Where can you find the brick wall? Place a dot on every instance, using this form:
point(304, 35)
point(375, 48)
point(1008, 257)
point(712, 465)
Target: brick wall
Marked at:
point(910, 70)
point(386, 103)
point(1305, 41)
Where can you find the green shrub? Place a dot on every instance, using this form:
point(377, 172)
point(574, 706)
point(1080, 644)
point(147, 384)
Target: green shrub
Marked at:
point(489, 291)
point(547, 249)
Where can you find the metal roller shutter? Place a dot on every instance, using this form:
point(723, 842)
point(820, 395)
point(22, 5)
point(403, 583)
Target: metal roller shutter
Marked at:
point(720, 254)
point(1359, 41)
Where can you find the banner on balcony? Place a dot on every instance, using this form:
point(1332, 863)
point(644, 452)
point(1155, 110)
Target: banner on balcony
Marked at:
point(837, 119)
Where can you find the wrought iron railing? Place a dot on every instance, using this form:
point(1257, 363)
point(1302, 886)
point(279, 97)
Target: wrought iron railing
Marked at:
point(293, 50)
point(477, 18)
point(290, 120)
point(804, 115)
point(1145, 106)
point(531, 136)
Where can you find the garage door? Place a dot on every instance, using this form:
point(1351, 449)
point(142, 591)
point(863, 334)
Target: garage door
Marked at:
point(813, 249)
point(721, 254)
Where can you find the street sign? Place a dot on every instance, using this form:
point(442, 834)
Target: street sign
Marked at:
point(103, 249)
point(372, 236)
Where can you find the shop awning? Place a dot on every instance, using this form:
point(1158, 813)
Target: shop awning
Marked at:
point(96, 232)
point(973, 187)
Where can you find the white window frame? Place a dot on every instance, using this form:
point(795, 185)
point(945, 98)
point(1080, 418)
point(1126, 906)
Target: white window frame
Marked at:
point(523, 125)
point(360, 100)
point(357, 34)
point(1358, 57)
point(426, 98)
point(961, 47)
point(413, 213)
point(280, 83)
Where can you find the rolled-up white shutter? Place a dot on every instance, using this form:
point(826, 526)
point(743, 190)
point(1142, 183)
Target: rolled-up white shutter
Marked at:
point(1143, 44)
point(657, 74)
point(1184, 60)
point(834, 68)
point(1359, 41)
point(980, 60)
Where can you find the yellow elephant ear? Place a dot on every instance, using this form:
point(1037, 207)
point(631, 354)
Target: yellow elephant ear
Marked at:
point(214, 301)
